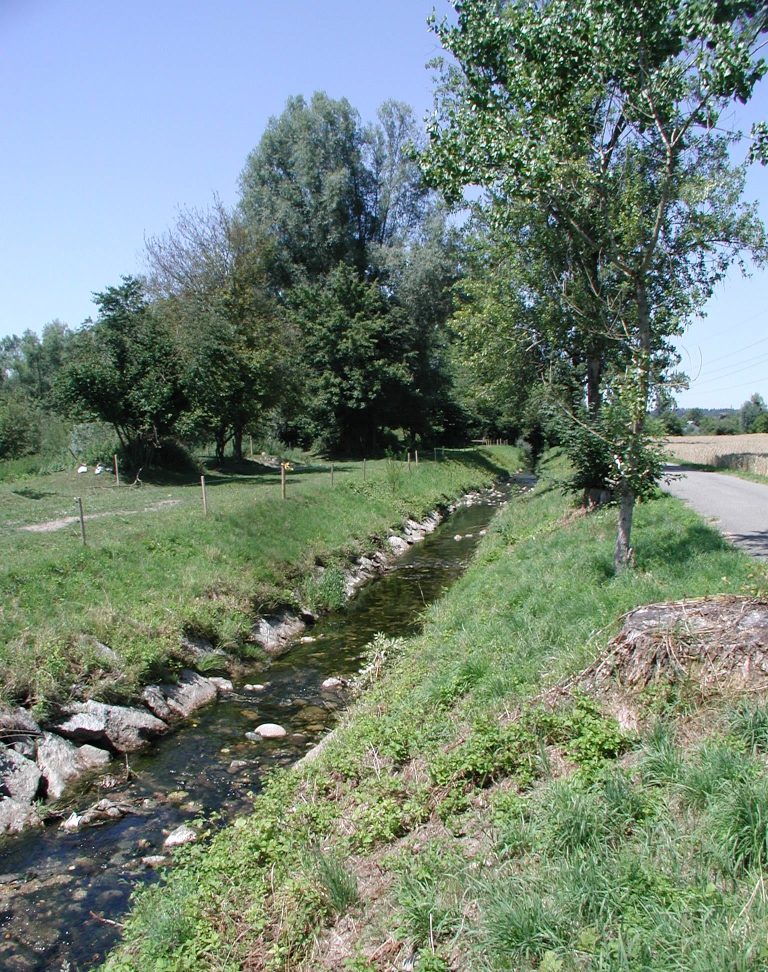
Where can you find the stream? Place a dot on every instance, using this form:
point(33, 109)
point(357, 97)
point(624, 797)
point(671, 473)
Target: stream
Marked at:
point(61, 893)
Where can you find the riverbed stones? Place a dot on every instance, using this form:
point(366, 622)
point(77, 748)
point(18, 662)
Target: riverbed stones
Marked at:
point(270, 730)
point(119, 727)
point(19, 777)
point(99, 812)
point(16, 816)
point(223, 685)
point(397, 544)
point(179, 701)
point(334, 683)
point(61, 762)
point(16, 724)
point(273, 633)
point(181, 835)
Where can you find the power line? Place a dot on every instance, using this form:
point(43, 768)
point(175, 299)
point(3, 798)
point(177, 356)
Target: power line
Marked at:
point(726, 373)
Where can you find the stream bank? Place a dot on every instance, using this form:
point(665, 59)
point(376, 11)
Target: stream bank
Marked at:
point(58, 882)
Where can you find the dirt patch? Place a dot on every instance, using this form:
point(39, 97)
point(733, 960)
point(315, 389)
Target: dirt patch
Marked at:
point(51, 525)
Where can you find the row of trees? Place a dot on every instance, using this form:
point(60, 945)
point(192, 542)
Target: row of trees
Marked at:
point(317, 305)
point(608, 210)
point(610, 206)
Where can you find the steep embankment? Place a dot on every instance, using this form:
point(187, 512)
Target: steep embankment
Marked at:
point(486, 807)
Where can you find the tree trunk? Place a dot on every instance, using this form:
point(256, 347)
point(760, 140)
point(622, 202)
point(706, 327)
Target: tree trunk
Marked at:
point(623, 554)
point(237, 442)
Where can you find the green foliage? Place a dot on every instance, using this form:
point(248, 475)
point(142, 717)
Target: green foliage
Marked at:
point(20, 427)
point(752, 414)
point(489, 752)
point(612, 179)
point(589, 737)
point(123, 369)
point(358, 353)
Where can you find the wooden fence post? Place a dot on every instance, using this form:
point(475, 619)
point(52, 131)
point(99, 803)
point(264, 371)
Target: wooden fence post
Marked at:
point(79, 502)
point(117, 472)
point(331, 474)
point(416, 453)
point(282, 479)
point(205, 498)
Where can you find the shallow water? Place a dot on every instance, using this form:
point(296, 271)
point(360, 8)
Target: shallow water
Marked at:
point(60, 894)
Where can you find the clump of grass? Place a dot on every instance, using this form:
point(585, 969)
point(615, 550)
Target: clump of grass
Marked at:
point(338, 884)
point(749, 724)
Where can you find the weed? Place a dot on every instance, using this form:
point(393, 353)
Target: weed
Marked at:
point(749, 724)
point(338, 885)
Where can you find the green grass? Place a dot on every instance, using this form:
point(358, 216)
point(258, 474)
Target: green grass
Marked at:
point(495, 833)
point(155, 568)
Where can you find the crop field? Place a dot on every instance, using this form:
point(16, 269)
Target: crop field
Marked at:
point(746, 453)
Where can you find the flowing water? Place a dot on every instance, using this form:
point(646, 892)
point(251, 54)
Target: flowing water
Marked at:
point(62, 894)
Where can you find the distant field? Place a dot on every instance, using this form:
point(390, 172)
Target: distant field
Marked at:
point(748, 453)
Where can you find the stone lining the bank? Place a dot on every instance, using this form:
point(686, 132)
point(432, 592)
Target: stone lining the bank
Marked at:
point(39, 763)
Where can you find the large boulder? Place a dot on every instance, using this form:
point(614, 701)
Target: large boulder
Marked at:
point(61, 762)
point(274, 633)
point(16, 816)
point(16, 724)
point(19, 777)
point(179, 701)
point(119, 727)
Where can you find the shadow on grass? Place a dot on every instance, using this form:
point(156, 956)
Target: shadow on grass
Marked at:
point(676, 551)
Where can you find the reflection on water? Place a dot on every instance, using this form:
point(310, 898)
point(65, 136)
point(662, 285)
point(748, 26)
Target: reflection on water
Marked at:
point(56, 889)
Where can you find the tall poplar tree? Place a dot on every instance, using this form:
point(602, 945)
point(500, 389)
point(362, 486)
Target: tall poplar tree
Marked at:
point(603, 119)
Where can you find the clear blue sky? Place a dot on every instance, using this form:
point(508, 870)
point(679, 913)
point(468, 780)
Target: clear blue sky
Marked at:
point(115, 114)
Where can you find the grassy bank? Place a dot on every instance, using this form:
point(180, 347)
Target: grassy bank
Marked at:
point(456, 821)
point(155, 568)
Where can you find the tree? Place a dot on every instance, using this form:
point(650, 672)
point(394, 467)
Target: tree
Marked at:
point(358, 355)
point(326, 189)
point(305, 186)
point(211, 282)
point(750, 413)
point(123, 369)
point(601, 119)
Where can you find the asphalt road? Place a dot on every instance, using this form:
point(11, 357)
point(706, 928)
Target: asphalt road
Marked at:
point(737, 507)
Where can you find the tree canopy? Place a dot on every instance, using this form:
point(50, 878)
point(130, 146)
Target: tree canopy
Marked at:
point(600, 121)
